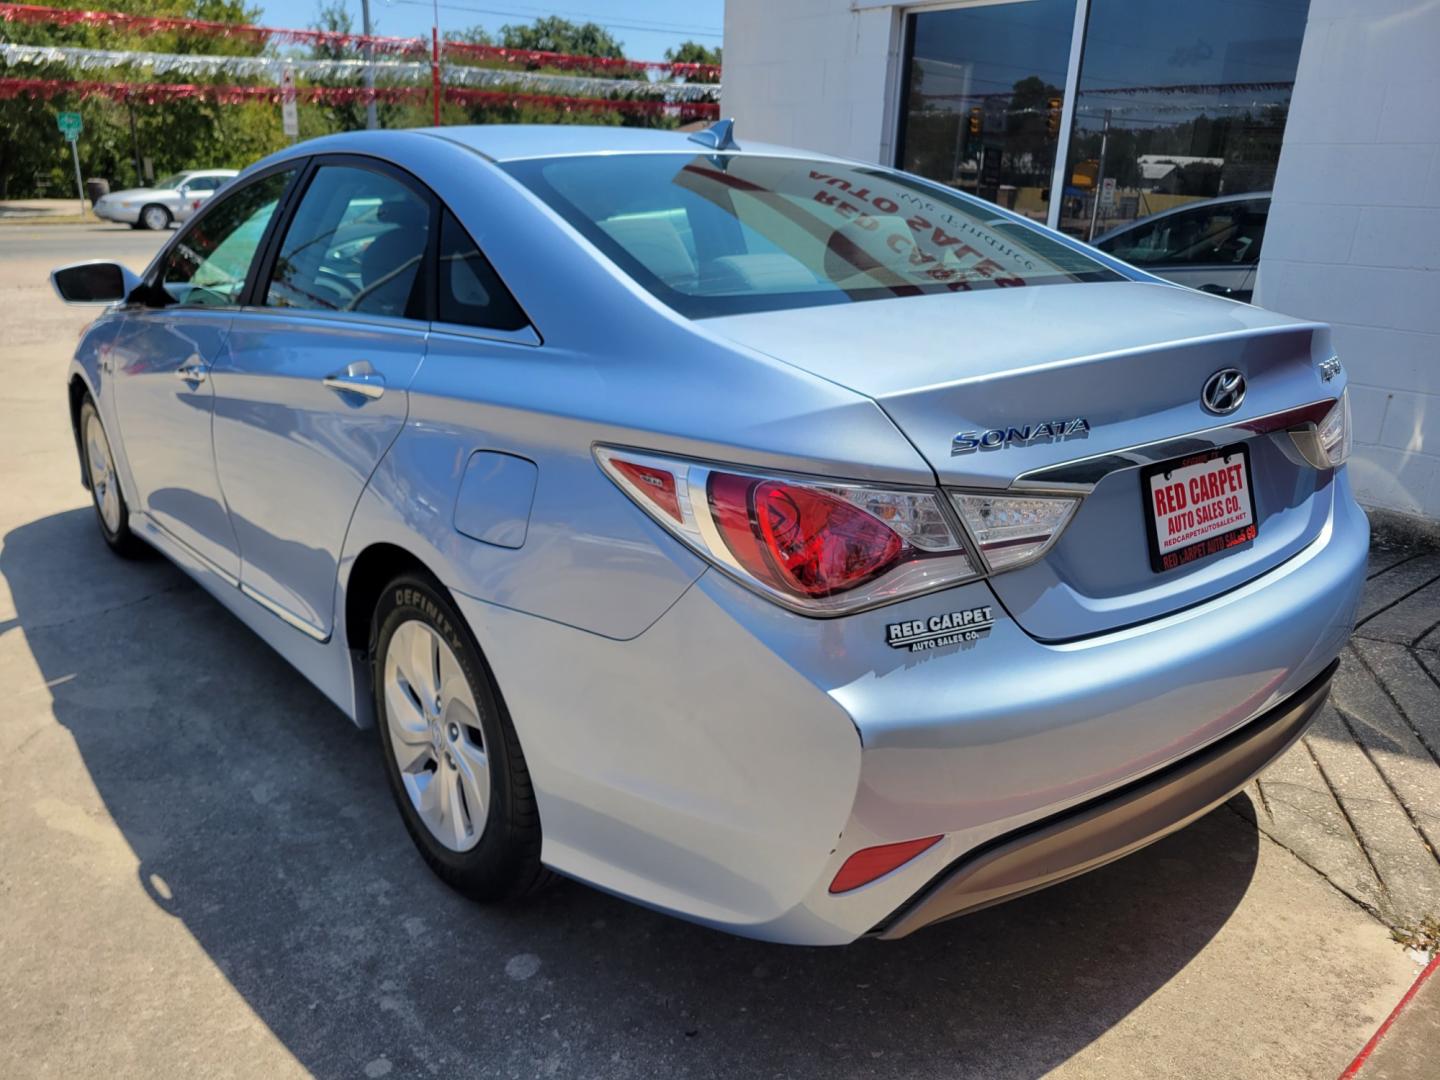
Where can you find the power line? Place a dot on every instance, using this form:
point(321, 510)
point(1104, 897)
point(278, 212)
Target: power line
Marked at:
point(660, 28)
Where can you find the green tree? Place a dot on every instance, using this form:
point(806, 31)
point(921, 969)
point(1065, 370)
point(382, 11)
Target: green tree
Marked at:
point(34, 159)
point(692, 52)
point(553, 34)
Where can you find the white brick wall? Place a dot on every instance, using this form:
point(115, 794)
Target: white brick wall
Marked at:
point(1354, 233)
point(811, 73)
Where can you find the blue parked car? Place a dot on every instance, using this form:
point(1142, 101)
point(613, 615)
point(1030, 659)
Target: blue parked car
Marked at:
point(791, 544)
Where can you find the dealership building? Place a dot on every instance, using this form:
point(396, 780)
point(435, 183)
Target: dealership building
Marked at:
point(1090, 114)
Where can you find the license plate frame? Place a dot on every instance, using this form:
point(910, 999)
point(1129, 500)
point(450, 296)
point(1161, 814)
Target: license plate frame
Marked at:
point(1163, 562)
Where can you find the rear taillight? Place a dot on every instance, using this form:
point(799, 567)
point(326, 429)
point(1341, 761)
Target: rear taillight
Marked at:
point(818, 547)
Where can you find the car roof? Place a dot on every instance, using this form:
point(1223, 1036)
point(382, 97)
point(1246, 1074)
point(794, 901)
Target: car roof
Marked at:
point(512, 142)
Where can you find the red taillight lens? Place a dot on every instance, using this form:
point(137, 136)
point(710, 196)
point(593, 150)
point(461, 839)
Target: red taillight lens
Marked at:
point(869, 863)
point(804, 541)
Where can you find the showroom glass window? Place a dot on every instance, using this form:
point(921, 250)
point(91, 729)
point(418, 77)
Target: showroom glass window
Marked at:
point(984, 87)
point(1189, 100)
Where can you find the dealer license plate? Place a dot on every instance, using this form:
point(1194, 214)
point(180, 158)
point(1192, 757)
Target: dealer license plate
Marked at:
point(1198, 506)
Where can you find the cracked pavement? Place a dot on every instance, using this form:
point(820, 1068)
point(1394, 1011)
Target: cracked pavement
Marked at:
point(1359, 798)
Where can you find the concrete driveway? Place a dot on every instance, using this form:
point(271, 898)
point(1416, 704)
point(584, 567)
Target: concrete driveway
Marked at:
point(201, 873)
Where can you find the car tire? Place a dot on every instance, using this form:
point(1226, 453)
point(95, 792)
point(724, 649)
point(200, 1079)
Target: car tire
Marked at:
point(450, 752)
point(98, 461)
point(154, 217)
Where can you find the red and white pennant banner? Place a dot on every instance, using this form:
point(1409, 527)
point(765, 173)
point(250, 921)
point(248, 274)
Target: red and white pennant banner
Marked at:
point(157, 93)
point(38, 14)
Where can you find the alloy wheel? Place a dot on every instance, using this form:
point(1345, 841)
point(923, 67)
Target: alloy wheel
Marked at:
point(435, 735)
point(156, 218)
point(102, 473)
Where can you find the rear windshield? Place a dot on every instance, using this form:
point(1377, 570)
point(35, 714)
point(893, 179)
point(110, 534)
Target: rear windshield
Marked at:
point(715, 234)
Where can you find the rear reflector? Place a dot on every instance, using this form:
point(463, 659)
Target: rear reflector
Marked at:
point(869, 863)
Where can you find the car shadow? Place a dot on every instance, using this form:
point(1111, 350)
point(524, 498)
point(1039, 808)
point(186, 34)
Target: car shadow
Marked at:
point(260, 819)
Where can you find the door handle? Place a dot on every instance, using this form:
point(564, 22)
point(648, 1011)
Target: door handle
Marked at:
point(359, 378)
point(193, 371)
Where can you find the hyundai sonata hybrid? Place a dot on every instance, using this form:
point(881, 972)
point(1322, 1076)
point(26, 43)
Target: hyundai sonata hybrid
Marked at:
point(787, 543)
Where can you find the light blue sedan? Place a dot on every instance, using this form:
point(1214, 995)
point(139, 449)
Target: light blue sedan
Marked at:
point(791, 544)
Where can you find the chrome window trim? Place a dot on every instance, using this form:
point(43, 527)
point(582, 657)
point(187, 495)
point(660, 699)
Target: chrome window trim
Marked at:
point(358, 318)
point(526, 335)
point(1080, 475)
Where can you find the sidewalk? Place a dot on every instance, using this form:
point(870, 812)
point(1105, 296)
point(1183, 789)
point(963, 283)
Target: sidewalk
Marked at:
point(1358, 799)
point(41, 210)
point(1408, 1043)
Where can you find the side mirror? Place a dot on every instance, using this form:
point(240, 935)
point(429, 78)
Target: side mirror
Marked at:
point(93, 283)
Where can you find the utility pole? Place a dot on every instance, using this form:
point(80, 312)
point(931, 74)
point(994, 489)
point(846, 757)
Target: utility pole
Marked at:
point(135, 145)
point(372, 119)
point(1099, 177)
point(435, 62)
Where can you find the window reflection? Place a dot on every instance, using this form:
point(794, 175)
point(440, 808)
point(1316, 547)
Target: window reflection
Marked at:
point(1188, 102)
point(983, 100)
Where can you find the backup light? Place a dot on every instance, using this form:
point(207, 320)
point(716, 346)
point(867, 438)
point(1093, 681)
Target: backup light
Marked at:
point(1012, 530)
point(1334, 432)
point(819, 547)
point(1327, 444)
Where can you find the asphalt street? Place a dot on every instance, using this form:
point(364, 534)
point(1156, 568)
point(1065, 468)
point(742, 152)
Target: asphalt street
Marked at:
point(201, 873)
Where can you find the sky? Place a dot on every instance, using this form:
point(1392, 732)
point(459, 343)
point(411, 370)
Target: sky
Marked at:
point(646, 28)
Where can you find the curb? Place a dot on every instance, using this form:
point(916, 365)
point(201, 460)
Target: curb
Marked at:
point(1353, 1070)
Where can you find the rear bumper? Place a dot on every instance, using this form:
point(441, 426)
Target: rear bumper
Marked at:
point(1108, 828)
point(723, 764)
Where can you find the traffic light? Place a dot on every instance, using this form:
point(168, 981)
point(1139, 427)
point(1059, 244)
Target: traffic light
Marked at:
point(1052, 121)
point(977, 120)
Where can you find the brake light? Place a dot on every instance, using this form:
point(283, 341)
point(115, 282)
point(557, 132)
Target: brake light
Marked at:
point(819, 547)
point(813, 544)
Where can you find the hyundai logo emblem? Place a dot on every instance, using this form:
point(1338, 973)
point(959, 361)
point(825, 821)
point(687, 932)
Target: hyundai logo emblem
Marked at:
point(1224, 391)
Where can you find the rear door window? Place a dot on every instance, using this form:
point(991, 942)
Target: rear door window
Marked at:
point(469, 291)
point(356, 243)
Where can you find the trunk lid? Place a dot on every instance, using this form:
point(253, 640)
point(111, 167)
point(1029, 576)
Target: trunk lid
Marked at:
point(1128, 358)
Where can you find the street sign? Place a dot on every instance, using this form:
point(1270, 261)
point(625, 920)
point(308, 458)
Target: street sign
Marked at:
point(289, 119)
point(1107, 192)
point(70, 124)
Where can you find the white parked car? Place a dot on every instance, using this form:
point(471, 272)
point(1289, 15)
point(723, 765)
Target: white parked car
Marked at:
point(173, 199)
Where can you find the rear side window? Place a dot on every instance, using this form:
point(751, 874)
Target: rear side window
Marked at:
point(470, 293)
point(209, 262)
point(356, 244)
point(715, 234)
